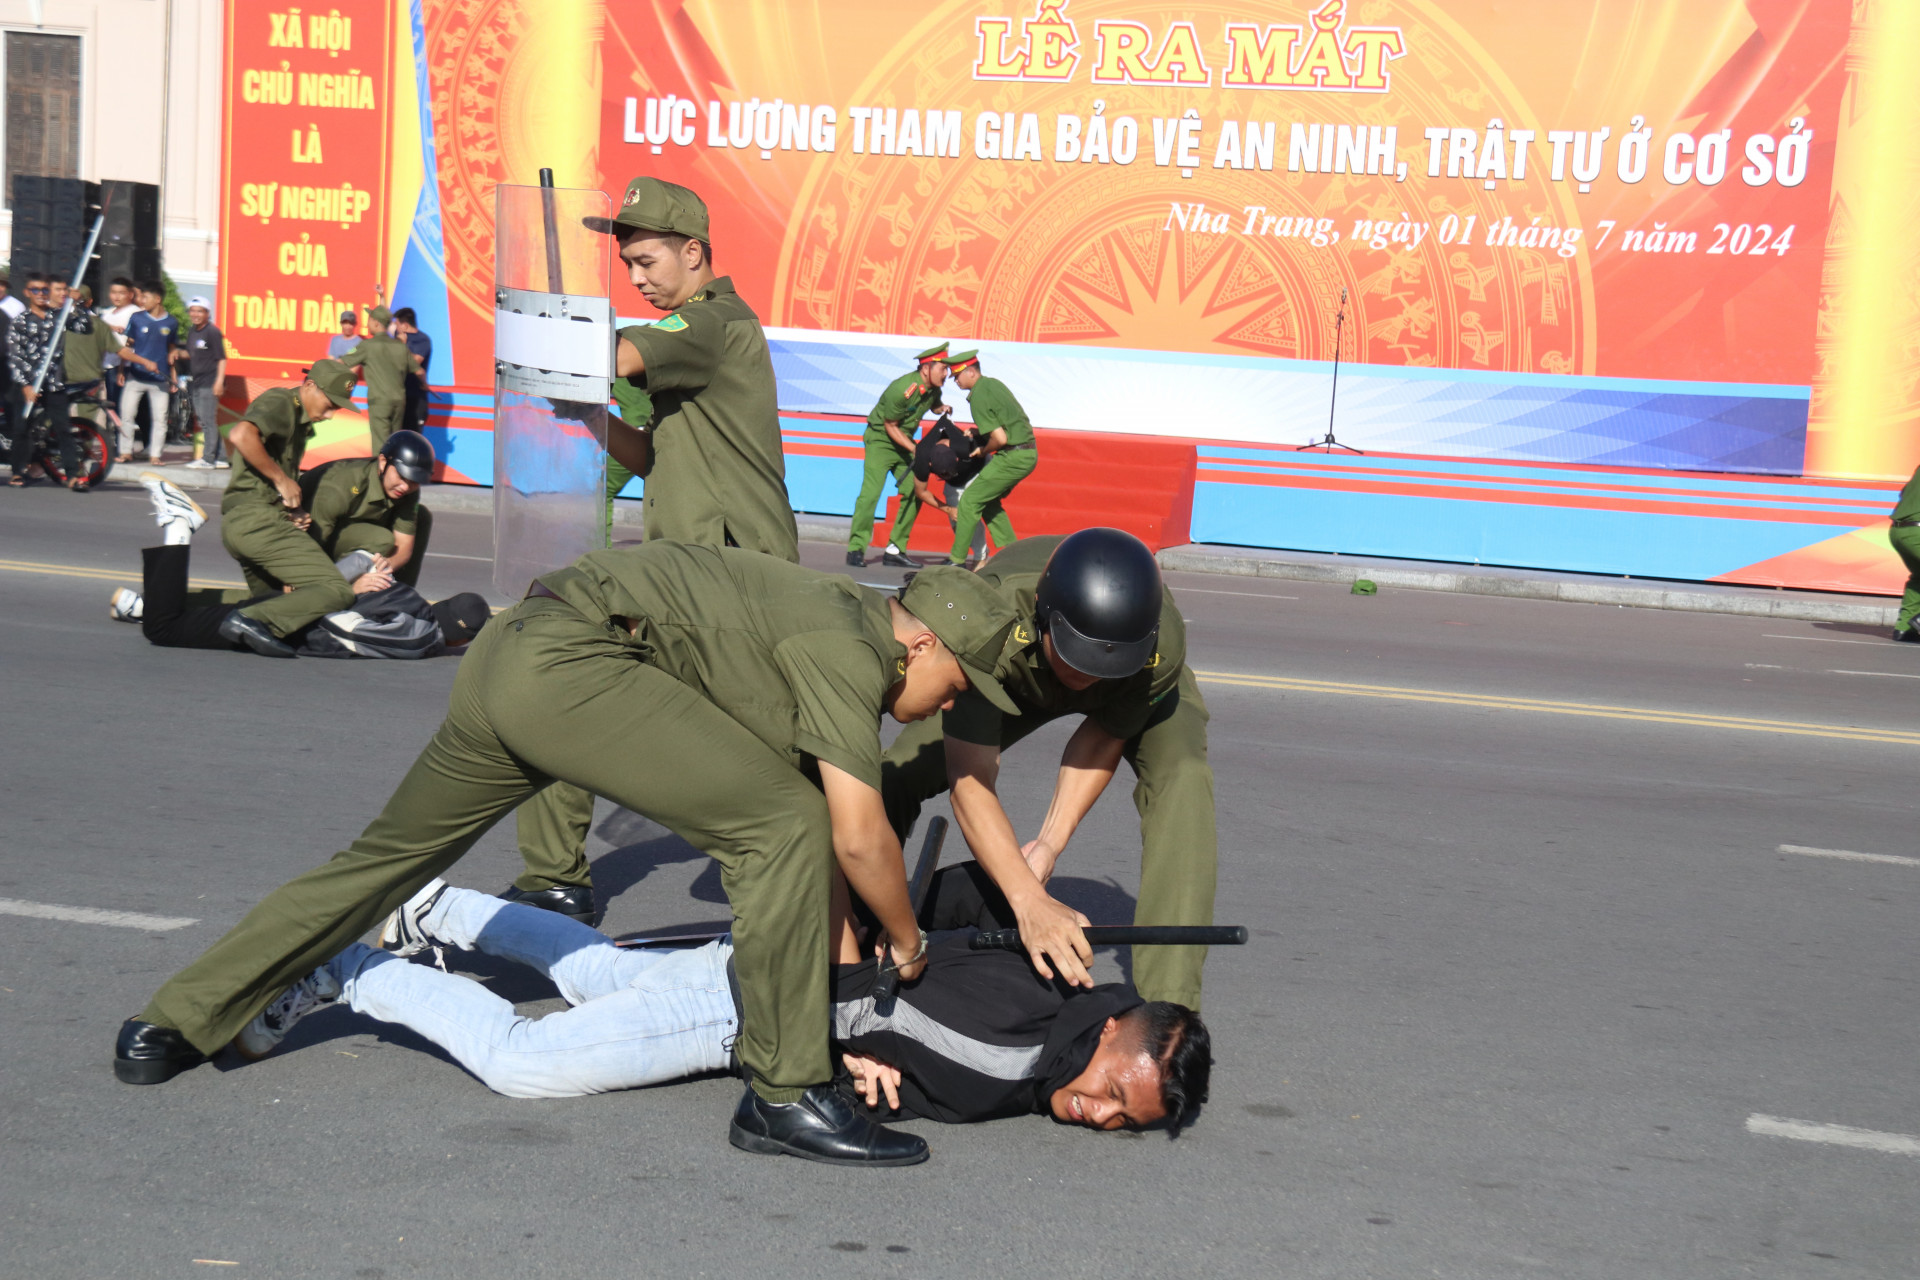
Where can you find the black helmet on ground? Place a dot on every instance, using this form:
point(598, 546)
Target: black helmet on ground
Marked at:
point(1099, 598)
point(409, 453)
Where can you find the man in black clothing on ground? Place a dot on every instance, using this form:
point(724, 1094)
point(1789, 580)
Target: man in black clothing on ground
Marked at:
point(978, 1036)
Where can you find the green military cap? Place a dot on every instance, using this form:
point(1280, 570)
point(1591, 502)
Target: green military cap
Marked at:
point(932, 353)
point(653, 205)
point(335, 379)
point(379, 316)
point(961, 359)
point(971, 618)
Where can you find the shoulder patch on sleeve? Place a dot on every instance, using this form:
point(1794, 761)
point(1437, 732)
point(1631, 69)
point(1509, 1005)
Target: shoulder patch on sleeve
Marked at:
point(672, 324)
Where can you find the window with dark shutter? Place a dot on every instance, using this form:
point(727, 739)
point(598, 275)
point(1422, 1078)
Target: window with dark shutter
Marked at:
point(43, 106)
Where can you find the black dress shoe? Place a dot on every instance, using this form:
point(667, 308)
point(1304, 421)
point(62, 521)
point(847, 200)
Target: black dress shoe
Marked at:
point(147, 1053)
point(238, 628)
point(858, 559)
point(821, 1126)
point(574, 901)
point(897, 560)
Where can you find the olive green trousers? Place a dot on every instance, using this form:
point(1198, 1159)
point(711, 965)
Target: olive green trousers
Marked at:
point(1906, 544)
point(546, 694)
point(884, 459)
point(384, 417)
point(1173, 792)
point(980, 500)
point(273, 554)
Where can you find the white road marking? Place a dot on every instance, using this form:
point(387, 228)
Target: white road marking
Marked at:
point(1764, 666)
point(1893, 675)
point(448, 555)
point(1847, 855)
point(1256, 595)
point(92, 915)
point(1839, 1135)
point(1825, 639)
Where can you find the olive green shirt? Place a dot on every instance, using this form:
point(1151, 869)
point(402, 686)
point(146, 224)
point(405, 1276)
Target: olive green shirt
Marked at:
point(285, 429)
point(348, 491)
point(994, 408)
point(1121, 707)
point(802, 659)
point(718, 473)
point(906, 400)
point(84, 351)
point(1908, 508)
point(384, 363)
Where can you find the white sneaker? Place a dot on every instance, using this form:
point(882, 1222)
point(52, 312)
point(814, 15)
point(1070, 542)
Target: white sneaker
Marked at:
point(199, 464)
point(171, 505)
point(126, 606)
point(223, 466)
point(263, 1035)
point(404, 932)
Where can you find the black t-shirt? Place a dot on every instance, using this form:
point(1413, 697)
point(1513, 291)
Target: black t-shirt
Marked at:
point(206, 348)
point(945, 451)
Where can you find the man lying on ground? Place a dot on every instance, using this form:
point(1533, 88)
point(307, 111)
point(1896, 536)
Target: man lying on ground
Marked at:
point(388, 619)
point(979, 1035)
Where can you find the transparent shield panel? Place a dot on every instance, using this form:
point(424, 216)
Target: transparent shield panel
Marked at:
point(553, 369)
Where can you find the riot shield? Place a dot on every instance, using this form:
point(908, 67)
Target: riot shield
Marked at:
point(553, 371)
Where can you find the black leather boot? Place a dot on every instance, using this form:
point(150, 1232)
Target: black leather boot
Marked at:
point(821, 1126)
point(238, 628)
point(574, 901)
point(150, 1054)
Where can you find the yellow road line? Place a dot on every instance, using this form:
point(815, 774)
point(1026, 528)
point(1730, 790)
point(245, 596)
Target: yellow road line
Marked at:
point(1494, 702)
point(100, 575)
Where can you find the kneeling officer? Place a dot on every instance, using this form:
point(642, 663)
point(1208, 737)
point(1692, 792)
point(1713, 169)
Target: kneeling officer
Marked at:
point(373, 505)
point(733, 698)
point(263, 517)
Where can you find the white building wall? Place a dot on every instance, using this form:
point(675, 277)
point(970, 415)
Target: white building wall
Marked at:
point(150, 109)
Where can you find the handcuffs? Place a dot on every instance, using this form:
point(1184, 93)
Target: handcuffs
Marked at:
point(889, 966)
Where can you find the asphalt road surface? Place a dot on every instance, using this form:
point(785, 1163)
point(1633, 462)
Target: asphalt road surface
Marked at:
point(1533, 988)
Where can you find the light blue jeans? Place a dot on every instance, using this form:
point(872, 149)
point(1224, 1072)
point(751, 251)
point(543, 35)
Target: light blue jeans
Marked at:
point(639, 1017)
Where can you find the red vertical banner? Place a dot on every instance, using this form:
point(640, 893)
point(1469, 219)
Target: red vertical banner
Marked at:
point(303, 176)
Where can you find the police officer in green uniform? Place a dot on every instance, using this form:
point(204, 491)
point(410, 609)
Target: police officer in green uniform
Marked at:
point(728, 695)
point(385, 363)
point(889, 442)
point(1007, 437)
point(263, 520)
point(373, 505)
point(1905, 537)
point(1099, 636)
point(707, 442)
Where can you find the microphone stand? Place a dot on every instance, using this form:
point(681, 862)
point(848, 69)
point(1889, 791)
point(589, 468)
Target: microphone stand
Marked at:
point(1327, 442)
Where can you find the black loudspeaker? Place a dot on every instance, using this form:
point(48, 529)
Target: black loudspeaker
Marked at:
point(110, 261)
point(132, 211)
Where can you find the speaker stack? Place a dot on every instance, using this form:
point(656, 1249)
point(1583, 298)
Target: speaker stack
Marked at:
point(51, 217)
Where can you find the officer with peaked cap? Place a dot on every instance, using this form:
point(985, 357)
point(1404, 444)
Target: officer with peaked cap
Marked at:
point(1006, 437)
point(263, 516)
point(889, 444)
point(707, 443)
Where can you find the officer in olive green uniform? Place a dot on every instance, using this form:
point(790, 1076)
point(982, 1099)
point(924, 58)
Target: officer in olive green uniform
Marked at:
point(385, 363)
point(1157, 712)
point(1004, 430)
point(699, 686)
point(707, 442)
point(263, 521)
point(891, 428)
point(1905, 537)
point(353, 510)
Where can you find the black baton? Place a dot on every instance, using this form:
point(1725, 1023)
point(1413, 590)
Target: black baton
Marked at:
point(887, 985)
point(1127, 935)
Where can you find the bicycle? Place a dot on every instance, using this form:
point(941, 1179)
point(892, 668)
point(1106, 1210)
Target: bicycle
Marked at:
point(95, 448)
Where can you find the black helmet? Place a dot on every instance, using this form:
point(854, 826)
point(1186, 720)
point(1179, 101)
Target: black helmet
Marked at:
point(1099, 598)
point(409, 453)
